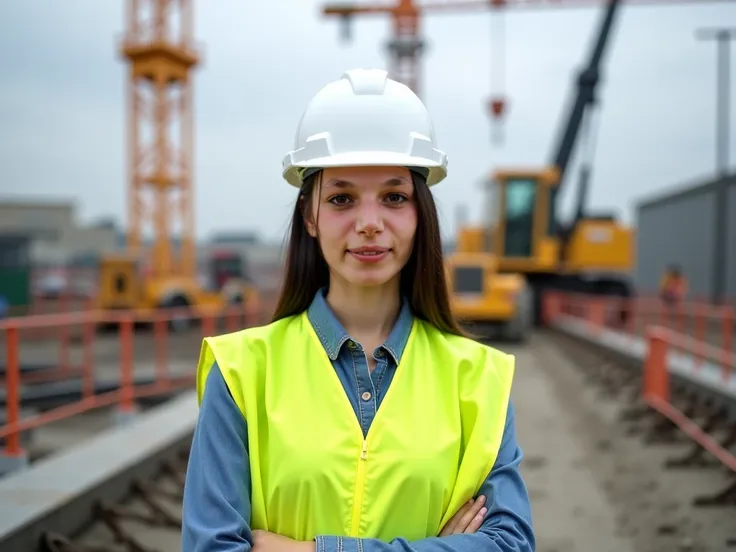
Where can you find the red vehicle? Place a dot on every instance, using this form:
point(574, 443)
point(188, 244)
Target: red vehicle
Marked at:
point(226, 265)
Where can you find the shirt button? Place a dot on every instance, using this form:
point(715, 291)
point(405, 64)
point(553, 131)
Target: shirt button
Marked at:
point(351, 344)
point(379, 353)
point(366, 396)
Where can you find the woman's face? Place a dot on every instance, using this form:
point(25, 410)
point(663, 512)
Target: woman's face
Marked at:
point(366, 219)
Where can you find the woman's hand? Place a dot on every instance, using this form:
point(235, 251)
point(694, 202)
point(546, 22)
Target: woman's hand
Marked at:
point(263, 541)
point(467, 519)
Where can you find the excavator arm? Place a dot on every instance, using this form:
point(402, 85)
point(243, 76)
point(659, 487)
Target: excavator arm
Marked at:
point(528, 236)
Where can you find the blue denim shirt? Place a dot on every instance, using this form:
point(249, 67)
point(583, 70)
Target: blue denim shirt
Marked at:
point(217, 509)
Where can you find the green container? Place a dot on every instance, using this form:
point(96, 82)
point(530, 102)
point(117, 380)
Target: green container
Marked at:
point(15, 286)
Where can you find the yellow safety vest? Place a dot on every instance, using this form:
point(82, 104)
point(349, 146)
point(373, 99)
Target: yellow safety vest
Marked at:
point(429, 449)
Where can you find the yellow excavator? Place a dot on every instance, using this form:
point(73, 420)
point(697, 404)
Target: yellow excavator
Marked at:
point(489, 304)
point(592, 254)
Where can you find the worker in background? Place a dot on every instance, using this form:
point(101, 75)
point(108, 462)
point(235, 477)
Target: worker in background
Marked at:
point(673, 286)
point(360, 418)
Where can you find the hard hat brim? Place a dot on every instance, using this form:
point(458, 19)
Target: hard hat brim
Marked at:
point(437, 171)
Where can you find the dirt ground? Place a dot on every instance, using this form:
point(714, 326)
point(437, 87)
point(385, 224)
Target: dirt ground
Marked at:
point(592, 486)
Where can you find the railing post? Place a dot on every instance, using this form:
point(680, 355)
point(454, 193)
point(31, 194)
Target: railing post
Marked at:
point(88, 375)
point(551, 307)
point(161, 338)
point(728, 314)
point(209, 325)
point(252, 309)
point(596, 313)
point(14, 456)
point(656, 382)
point(126, 407)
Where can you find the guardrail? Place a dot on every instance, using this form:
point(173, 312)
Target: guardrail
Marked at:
point(657, 394)
point(676, 368)
point(707, 324)
point(82, 368)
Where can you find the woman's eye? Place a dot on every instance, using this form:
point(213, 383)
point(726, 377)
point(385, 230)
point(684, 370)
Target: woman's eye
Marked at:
point(339, 200)
point(395, 198)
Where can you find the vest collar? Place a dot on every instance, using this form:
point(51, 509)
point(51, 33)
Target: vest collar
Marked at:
point(333, 335)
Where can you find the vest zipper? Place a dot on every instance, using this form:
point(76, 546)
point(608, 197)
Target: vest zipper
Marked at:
point(359, 484)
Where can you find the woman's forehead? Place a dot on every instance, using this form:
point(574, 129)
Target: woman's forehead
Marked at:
point(365, 177)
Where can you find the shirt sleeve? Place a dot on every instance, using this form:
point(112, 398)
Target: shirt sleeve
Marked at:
point(216, 505)
point(507, 526)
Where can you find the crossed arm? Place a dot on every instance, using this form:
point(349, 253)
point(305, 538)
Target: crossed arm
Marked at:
point(217, 495)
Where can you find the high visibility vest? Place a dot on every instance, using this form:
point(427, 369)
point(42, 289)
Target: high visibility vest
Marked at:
point(430, 447)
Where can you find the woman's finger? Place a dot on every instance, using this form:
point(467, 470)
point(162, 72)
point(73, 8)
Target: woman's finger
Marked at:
point(477, 521)
point(452, 523)
point(469, 515)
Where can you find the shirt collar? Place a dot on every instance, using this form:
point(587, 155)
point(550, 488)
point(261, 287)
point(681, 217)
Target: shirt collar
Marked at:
point(333, 335)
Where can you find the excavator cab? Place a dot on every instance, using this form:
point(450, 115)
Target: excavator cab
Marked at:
point(523, 236)
point(529, 239)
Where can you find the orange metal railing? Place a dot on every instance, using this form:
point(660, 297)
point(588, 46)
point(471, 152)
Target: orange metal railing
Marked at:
point(656, 387)
point(708, 326)
point(700, 331)
point(79, 350)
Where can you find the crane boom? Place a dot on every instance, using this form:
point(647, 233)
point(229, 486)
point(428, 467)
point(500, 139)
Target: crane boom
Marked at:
point(584, 101)
point(460, 6)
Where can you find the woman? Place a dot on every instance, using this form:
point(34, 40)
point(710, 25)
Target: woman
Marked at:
point(360, 419)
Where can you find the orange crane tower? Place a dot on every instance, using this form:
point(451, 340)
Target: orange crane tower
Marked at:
point(158, 46)
point(159, 51)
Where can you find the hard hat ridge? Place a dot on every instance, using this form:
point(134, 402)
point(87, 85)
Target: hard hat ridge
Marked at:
point(367, 81)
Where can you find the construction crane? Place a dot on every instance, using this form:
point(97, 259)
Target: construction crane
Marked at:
point(406, 45)
point(159, 48)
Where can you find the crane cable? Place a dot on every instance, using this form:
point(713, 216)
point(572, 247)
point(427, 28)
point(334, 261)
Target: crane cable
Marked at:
point(497, 73)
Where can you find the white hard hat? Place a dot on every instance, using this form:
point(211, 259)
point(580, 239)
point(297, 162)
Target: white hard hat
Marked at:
point(365, 118)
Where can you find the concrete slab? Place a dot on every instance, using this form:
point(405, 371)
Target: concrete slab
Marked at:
point(707, 375)
point(57, 493)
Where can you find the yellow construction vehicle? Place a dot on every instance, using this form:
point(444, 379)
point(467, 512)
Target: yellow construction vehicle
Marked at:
point(126, 285)
point(488, 303)
point(591, 254)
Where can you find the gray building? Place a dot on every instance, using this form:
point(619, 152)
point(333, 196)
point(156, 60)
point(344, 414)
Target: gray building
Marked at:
point(695, 227)
point(57, 237)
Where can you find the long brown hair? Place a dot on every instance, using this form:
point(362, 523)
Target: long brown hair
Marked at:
point(423, 279)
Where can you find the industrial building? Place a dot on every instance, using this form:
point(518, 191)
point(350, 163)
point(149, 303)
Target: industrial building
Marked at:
point(694, 227)
point(57, 238)
point(39, 240)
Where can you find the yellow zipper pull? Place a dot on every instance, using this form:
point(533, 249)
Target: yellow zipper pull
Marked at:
point(364, 453)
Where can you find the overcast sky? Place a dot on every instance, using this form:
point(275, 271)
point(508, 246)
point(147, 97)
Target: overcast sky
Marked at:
point(62, 112)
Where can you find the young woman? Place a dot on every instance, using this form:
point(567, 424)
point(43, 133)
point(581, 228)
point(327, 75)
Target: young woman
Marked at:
point(360, 419)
